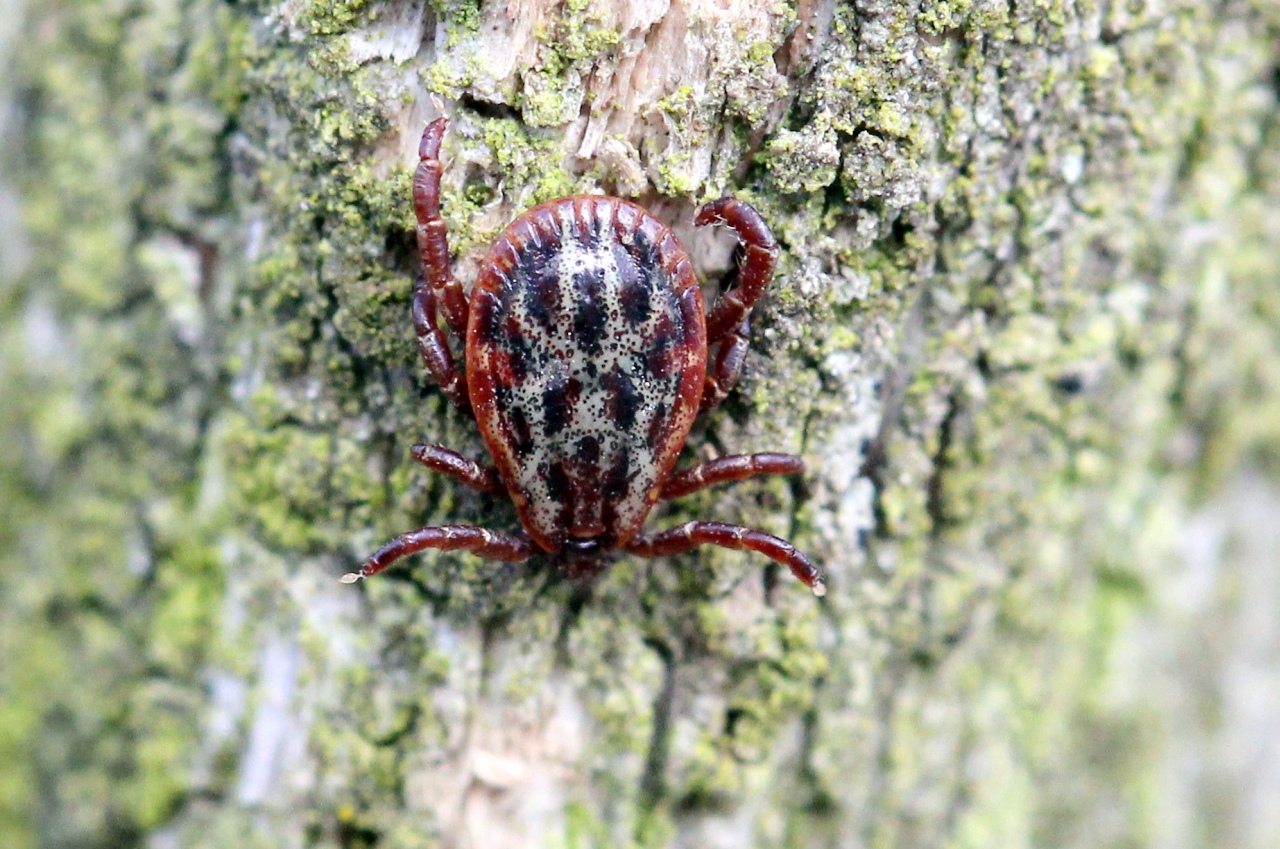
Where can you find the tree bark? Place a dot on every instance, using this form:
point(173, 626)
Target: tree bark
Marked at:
point(1024, 323)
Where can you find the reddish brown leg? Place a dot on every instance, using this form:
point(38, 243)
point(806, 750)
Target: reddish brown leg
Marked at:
point(760, 256)
point(481, 542)
point(438, 459)
point(434, 347)
point(725, 368)
point(693, 534)
point(735, 467)
point(433, 236)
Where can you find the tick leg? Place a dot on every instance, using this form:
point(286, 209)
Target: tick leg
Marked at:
point(433, 344)
point(481, 542)
point(735, 467)
point(724, 370)
point(759, 257)
point(693, 534)
point(433, 235)
point(438, 459)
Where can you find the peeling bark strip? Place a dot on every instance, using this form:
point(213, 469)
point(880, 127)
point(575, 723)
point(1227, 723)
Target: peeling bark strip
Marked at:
point(1023, 307)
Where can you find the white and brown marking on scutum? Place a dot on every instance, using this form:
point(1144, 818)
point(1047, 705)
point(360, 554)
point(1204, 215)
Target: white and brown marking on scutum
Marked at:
point(586, 354)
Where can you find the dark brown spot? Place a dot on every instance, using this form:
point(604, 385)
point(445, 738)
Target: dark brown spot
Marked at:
point(643, 251)
point(617, 478)
point(589, 452)
point(519, 424)
point(532, 279)
point(635, 288)
point(559, 487)
point(541, 296)
point(558, 400)
point(518, 352)
point(624, 400)
point(589, 316)
point(660, 357)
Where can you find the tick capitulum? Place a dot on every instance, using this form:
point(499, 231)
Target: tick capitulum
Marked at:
point(586, 364)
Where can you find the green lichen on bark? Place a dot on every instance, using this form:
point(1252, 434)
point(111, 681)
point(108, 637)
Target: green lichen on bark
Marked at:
point(1000, 334)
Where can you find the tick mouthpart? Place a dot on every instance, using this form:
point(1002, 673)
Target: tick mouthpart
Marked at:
point(581, 558)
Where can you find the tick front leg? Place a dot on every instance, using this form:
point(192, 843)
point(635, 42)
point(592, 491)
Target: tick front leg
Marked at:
point(434, 346)
point(433, 235)
point(693, 534)
point(726, 367)
point(758, 261)
point(451, 463)
point(479, 541)
point(735, 467)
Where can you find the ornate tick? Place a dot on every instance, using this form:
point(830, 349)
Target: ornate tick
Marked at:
point(586, 364)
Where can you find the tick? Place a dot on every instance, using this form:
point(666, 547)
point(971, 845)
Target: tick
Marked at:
point(586, 351)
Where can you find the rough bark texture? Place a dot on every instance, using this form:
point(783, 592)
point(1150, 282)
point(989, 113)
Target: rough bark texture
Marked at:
point(1026, 320)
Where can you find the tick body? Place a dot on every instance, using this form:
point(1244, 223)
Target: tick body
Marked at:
point(588, 356)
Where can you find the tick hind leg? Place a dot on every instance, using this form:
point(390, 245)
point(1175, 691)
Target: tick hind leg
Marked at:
point(693, 534)
point(436, 290)
point(735, 467)
point(479, 541)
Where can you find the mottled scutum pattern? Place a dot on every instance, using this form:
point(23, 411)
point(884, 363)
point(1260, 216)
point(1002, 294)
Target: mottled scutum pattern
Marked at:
point(586, 359)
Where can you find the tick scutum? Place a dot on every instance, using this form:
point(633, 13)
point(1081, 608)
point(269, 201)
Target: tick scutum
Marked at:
point(580, 303)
